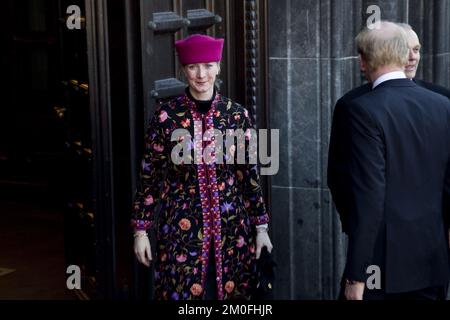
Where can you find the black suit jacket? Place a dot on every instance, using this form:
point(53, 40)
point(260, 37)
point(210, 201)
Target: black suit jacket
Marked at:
point(433, 87)
point(336, 149)
point(390, 179)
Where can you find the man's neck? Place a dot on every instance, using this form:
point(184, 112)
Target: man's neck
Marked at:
point(383, 70)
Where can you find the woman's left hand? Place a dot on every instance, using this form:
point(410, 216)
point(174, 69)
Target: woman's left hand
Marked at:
point(262, 240)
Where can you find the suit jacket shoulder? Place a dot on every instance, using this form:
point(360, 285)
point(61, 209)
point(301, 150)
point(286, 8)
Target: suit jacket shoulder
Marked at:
point(393, 91)
point(434, 87)
point(356, 92)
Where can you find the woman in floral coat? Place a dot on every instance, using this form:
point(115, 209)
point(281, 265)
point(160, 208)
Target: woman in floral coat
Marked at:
point(212, 222)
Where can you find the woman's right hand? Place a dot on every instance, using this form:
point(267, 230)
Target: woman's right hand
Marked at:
point(142, 249)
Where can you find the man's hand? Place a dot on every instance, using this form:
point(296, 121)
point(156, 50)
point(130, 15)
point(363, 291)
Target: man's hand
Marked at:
point(354, 290)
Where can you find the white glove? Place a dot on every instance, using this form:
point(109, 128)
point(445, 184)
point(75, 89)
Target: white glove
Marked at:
point(142, 248)
point(262, 240)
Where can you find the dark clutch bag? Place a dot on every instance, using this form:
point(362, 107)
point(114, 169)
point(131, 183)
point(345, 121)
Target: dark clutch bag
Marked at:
point(265, 276)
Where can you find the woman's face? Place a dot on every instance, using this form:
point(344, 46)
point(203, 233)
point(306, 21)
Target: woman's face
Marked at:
point(201, 78)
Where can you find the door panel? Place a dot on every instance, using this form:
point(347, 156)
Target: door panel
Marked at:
point(162, 23)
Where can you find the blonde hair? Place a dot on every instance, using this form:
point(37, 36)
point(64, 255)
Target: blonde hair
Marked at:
point(385, 46)
point(405, 26)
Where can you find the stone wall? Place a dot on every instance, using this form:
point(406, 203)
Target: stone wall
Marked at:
point(313, 62)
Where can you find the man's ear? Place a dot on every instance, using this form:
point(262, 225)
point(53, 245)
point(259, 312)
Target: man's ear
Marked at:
point(362, 63)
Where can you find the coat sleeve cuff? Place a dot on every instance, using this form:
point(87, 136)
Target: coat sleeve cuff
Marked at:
point(258, 220)
point(140, 225)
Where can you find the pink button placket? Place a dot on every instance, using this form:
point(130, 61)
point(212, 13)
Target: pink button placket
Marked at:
point(209, 191)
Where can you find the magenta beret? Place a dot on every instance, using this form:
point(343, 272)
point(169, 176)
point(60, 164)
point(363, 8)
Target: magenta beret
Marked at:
point(199, 48)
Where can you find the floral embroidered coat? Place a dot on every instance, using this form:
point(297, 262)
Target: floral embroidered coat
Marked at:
point(201, 204)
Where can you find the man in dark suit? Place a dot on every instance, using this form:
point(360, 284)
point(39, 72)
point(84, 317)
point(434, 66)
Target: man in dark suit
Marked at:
point(389, 169)
point(410, 72)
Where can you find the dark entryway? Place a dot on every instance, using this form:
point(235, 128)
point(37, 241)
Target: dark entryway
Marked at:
point(34, 174)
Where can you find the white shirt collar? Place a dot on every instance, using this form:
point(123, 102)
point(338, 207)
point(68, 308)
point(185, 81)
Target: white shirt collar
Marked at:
point(389, 76)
